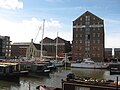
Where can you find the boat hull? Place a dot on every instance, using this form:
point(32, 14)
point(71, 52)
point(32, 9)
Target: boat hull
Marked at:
point(37, 74)
point(87, 83)
point(24, 73)
point(13, 77)
point(89, 66)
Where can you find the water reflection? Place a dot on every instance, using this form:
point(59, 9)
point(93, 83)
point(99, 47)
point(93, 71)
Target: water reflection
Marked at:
point(94, 73)
point(5, 85)
point(55, 78)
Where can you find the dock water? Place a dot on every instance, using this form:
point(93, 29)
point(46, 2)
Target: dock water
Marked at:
point(54, 79)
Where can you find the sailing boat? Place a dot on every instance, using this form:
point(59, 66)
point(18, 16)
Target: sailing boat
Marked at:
point(41, 56)
point(45, 61)
point(57, 62)
point(40, 67)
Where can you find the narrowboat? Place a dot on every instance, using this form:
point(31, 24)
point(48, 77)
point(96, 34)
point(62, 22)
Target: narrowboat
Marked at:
point(16, 67)
point(39, 69)
point(9, 73)
point(86, 83)
point(33, 69)
point(72, 82)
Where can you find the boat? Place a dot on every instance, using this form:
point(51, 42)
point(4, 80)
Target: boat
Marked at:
point(50, 65)
point(114, 68)
point(9, 73)
point(57, 63)
point(17, 66)
point(32, 69)
point(72, 82)
point(89, 64)
point(24, 73)
point(87, 83)
point(39, 69)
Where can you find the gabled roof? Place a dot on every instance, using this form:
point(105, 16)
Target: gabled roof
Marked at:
point(59, 38)
point(88, 13)
point(48, 39)
point(38, 46)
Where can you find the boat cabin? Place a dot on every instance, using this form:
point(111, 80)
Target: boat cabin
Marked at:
point(5, 69)
point(9, 67)
point(87, 83)
point(114, 69)
point(88, 61)
point(38, 68)
point(9, 73)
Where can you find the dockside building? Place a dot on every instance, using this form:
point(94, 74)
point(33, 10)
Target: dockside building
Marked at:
point(5, 46)
point(88, 37)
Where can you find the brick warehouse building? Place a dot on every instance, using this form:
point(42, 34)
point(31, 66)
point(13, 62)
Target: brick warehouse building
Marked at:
point(63, 46)
point(117, 53)
point(88, 37)
point(19, 49)
point(5, 46)
point(108, 53)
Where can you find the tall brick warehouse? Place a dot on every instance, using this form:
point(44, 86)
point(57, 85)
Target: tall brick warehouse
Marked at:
point(88, 37)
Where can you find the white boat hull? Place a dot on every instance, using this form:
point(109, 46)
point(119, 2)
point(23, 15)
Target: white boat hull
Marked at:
point(57, 63)
point(89, 66)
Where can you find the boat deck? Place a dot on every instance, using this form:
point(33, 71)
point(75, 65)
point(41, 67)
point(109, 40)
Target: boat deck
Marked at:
point(89, 83)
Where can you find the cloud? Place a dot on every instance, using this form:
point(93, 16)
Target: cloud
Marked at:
point(11, 4)
point(53, 24)
point(112, 42)
point(25, 30)
point(49, 24)
point(112, 33)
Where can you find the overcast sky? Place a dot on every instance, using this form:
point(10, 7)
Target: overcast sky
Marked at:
point(21, 19)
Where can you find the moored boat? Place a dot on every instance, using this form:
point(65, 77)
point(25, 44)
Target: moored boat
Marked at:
point(16, 66)
point(90, 64)
point(24, 73)
point(48, 64)
point(33, 69)
point(8, 73)
point(57, 63)
point(86, 83)
point(39, 69)
point(114, 69)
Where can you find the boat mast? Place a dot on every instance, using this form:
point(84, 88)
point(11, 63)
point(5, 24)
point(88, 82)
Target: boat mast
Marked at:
point(37, 33)
point(42, 40)
point(56, 46)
